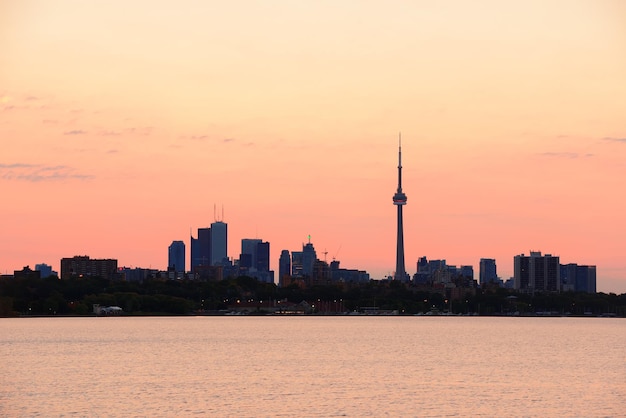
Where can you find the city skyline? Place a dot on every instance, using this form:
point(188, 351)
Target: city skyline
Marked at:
point(122, 125)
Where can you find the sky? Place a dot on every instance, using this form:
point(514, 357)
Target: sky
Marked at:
point(126, 125)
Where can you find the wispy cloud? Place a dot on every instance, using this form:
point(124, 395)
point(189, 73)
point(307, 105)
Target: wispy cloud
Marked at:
point(198, 137)
point(228, 140)
point(110, 133)
point(570, 155)
point(39, 172)
point(622, 140)
point(75, 132)
point(145, 131)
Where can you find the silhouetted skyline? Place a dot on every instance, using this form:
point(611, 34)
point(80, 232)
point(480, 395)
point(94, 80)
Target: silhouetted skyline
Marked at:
point(122, 124)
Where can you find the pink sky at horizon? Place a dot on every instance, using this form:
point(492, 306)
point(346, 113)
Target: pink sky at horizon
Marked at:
point(123, 123)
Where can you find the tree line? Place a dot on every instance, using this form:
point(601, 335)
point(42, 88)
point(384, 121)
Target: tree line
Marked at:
point(51, 296)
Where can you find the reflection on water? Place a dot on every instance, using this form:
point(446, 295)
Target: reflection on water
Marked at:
point(313, 366)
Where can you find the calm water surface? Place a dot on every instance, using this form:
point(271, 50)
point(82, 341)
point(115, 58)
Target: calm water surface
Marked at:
point(312, 366)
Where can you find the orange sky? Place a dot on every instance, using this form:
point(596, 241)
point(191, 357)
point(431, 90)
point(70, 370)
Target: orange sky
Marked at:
point(124, 123)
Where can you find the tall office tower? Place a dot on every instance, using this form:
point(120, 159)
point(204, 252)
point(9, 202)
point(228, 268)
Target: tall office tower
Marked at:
point(284, 266)
point(249, 250)
point(296, 264)
point(201, 248)
point(255, 253)
point(263, 256)
point(309, 256)
point(537, 272)
point(219, 242)
point(399, 199)
point(176, 256)
point(487, 273)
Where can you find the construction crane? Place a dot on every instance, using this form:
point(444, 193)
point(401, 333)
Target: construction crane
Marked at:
point(337, 253)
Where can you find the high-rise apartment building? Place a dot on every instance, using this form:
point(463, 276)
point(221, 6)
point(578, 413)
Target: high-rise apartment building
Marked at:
point(176, 256)
point(537, 272)
point(83, 266)
point(575, 278)
point(487, 271)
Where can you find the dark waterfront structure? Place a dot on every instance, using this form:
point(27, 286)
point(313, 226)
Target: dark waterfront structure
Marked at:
point(399, 199)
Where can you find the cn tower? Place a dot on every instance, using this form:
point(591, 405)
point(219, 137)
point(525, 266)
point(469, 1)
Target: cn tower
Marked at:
point(399, 199)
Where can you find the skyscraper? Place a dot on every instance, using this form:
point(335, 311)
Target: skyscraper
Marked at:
point(284, 266)
point(399, 199)
point(211, 246)
point(201, 248)
point(219, 242)
point(258, 253)
point(263, 256)
point(309, 256)
point(254, 260)
point(176, 256)
point(249, 246)
point(487, 273)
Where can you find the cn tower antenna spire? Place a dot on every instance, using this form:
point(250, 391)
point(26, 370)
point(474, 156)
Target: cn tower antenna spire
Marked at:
point(399, 162)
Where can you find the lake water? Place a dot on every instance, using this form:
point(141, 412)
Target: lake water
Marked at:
point(312, 366)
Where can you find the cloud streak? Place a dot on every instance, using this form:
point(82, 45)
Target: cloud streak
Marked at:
point(610, 139)
point(75, 132)
point(110, 133)
point(568, 155)
point(38, 173)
